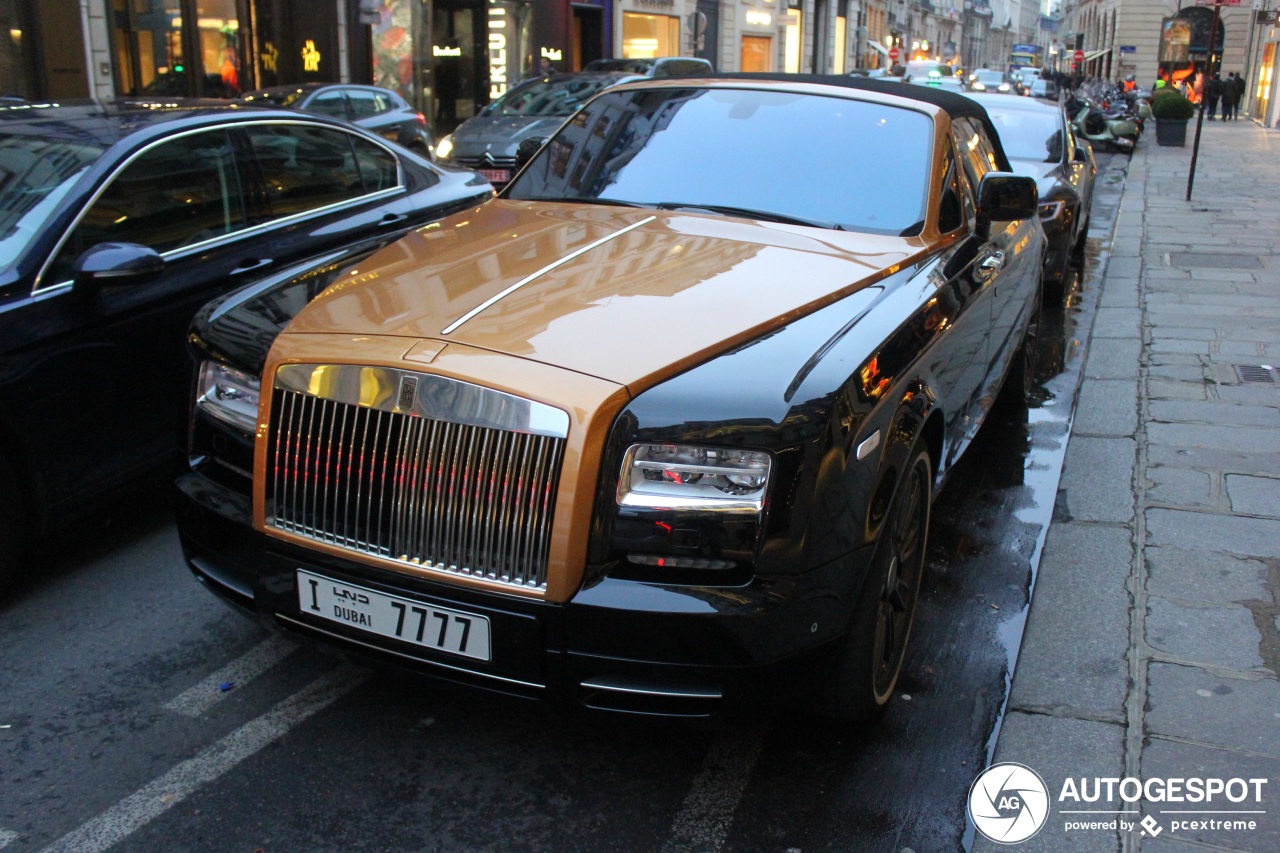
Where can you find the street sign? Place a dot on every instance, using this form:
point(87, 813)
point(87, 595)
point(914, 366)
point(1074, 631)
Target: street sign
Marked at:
point(1078, 56)
point(1269, 17)
point(1128, 48)
point(893, 54)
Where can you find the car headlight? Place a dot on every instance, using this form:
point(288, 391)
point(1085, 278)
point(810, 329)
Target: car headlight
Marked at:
point(1051, 210)
point(229, 395)
point(1003, 87)
point(673, 476)
point(978, 87)
point(445, 147)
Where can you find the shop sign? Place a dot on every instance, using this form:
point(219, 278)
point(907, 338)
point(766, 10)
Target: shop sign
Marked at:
point(269, 57)
point(437, 50)
point(497, 52)
point(551, 53)
point(1175, 40)
point(310, 57)
point(665, 4)
point(758, 18)
point(1269, 18)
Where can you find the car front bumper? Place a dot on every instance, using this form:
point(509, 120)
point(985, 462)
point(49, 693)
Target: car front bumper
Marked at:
point(616, 645)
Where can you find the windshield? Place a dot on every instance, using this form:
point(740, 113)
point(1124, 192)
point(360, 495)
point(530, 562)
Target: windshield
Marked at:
point(549, 96)
point(769, 152)
point(1029, 135)
point(35, 174)
point(988, 78)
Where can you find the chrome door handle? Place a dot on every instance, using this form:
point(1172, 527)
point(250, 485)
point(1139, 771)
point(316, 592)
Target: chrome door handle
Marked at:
point(392, 219)
point(990, 265)
point(249, 265)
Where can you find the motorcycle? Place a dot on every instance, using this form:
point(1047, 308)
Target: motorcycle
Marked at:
point(1116, 124)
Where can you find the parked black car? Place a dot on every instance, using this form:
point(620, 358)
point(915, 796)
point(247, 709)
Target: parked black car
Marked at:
point(380, 110)
point(535, 109)
point(1041, 144)
point(118, 221)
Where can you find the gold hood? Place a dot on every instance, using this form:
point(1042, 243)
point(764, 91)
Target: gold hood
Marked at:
point(628, 295)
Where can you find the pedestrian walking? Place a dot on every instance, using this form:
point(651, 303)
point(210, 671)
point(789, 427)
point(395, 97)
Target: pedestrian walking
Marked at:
point(1228, 96)
point(1213, 91)
point(1240, 87)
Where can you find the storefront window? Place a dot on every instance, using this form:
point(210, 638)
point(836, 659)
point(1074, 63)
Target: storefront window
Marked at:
point(757, 53)
point(1266, 70)
point(450, 58)
point(219, 34)
point(649, 36)
point(795, 41)
point(152, 56)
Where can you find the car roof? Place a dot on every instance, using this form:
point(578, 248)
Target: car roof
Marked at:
point(953, 104)
point(1013, 102)
point(108, 122)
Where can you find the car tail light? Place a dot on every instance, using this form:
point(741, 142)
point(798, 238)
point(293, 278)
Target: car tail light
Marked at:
point(422, 120)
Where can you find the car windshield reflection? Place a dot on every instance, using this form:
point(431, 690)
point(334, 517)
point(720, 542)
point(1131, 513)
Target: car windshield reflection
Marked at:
point(721, 149)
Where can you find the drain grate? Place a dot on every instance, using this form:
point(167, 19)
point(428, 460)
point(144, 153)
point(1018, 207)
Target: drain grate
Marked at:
point(1263, 373)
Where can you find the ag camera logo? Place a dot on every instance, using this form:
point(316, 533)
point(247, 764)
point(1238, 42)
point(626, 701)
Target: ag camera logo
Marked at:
point(1008, 803)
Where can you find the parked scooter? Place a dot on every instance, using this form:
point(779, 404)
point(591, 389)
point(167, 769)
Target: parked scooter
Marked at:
point(1117, 127)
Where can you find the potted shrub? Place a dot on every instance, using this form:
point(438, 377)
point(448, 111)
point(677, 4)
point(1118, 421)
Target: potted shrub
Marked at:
point(1172, 111)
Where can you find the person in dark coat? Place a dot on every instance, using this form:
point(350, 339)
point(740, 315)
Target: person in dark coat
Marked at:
point(1239, 86)
point(1213, 92)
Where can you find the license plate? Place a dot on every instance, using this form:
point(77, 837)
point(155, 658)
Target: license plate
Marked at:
point(398, 618)
point(500, 176)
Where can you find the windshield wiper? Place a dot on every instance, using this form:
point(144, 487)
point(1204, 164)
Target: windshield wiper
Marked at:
point(749, 213)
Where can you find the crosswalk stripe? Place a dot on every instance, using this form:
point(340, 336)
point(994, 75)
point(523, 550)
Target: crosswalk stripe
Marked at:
point(205, 695)
point(153, 799)
point(706, 816)
point(6, 837)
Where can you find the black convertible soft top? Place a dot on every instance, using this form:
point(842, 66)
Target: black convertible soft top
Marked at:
point(956, 106)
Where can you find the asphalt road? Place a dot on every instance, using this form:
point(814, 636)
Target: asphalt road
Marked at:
point(137, 713)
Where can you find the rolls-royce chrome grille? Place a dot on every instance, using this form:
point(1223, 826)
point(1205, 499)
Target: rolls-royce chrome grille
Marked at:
point(428, 471)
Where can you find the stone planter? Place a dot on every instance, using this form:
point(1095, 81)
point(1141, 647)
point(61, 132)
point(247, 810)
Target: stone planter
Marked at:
point(1171, 131)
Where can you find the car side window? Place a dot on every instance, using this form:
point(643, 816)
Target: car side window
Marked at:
point(950, 210)
point(305, 168)
point(331, 103)
point(181, 192)
point(969, 145)
point(366, 104)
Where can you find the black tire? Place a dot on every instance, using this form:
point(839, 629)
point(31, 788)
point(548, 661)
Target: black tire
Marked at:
point(12, 526)
point(876, 643)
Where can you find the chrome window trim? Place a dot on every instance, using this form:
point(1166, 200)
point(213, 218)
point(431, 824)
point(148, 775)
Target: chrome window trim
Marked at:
point(400, 187)
point(435, 397)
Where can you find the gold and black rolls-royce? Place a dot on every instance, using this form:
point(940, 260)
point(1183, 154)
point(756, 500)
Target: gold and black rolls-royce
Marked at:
point(657, 428)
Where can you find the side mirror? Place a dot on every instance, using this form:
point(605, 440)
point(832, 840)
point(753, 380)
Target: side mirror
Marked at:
point(1080, 156)
point(1002, 197)
point(526, 151)
point(117, 263)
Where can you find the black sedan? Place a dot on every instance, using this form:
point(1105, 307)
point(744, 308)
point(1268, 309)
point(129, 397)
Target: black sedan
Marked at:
point(657, 428)
point(535, 109)
point(380, 110)
point(1041, 144)
point(117, 222)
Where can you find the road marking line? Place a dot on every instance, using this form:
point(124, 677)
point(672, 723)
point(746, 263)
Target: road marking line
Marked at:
point(6, 837)
point(707, 814)
point(156, 797)
point(242, 670)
